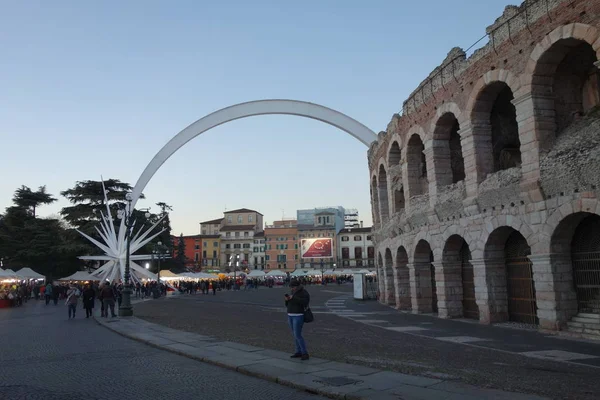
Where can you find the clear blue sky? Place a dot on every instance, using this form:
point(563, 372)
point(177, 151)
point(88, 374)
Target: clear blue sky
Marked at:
point(97, 88)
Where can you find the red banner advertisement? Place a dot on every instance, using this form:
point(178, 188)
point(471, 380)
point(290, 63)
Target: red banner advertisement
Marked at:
point(317, 248)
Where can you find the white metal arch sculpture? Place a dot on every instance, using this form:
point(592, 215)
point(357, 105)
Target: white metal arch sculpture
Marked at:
point(249, 109)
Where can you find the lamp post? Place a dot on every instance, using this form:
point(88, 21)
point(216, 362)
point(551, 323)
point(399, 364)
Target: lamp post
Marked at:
point(159, 251)
point(126, 309)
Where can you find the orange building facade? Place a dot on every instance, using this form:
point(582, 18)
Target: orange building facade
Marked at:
point(281, 241)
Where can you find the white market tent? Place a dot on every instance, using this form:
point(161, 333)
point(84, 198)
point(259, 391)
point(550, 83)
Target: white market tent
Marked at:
point(80, 276)
point(276, 272)
point(13, 274)
point(5, 275)
point(256, 274)
point(298, 272)
point(28, 273)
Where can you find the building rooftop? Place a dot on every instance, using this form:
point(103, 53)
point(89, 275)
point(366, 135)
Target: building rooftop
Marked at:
point(241, 210)
point(237, 228)
point(212, 221)
point(325, 213)
point(356, 230)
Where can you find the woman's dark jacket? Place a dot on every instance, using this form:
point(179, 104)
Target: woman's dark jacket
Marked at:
point(88, 298)
point(298, 302)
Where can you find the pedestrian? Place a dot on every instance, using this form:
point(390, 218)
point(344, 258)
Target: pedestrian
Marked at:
point(296, 304)
point(72, 298)
point(48, 292)
point(214, 288)
point(108, 299)
point(89, 296)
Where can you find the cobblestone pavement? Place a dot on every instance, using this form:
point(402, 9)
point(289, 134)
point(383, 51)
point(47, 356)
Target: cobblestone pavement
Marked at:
point(45, 356)
point(361, 333)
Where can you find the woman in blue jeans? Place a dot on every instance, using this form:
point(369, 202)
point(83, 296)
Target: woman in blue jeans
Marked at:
point(296, 304)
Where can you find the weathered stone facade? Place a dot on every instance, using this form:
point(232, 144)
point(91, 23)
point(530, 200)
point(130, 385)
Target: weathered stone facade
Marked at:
point(482, 186)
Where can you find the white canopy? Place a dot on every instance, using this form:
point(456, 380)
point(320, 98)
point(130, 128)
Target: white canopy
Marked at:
point(30, 274)
point(298, 272)
point(255, 273)
point(5, 274)
point(80, 276)
point(276, 272)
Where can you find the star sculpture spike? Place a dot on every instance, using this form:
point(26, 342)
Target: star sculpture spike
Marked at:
point(115, 246)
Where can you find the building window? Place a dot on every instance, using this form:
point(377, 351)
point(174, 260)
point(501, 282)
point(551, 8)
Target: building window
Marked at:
point(345, 253)
point(255, 249)
point(269, 247)
point(205, 244)
point(369, 237)
point(250, 218)
point(237, 234)
point(204, 254)
point(228, 234)
point(237, 246)
point(281, 258)
point(204, 231)
point(357, 238)
point(197, 247)
point(196, 257)
point(227, 246)
point(319, 220)
point(246, 234)
point(246, 245)
point(215, 244)
point(295, 256)
point(296, 246)
point(345, 238)
point(286, 246)
point(240, 219)
point(327, 219)
point(229, 218)
point(267, 257)
point(214, 254)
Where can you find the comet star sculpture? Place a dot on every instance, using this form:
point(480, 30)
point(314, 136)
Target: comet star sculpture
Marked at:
point(115, 246)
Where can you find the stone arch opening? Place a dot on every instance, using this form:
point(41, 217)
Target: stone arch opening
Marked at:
point(395, 170)
point(417, 166)
point(390, 291)
point(384, 210)
point(575, 246)
point(566, 72)
point(459, 278)
point(425, 283)
point(403, 301)
point(509, 277)
point(380, 278)
point(495, 113)
point(375, 200)
point(447, 151)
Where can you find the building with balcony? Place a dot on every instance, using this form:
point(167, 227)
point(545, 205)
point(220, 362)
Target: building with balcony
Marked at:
point(485, 190)
point(259, 251)
point(211, 248)
point(355, 248)
point(237, 236)
point(281, 239)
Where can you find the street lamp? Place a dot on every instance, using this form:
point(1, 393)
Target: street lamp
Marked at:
point(160, 252)
point(126, 309)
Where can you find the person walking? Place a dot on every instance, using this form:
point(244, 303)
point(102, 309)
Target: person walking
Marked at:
point(296, 304)
point(89, 296)
point(108, 299)
point(72, 298)
point(48, 292)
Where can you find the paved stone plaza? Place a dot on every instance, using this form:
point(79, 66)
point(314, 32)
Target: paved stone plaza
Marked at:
point(43, 355)
point(376, 336)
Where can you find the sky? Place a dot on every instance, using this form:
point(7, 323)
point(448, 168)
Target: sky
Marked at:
point(91, 89)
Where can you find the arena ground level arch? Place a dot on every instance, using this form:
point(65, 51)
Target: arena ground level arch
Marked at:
point(253, 108)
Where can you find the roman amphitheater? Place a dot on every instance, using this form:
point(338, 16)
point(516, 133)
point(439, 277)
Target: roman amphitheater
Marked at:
point(485, 187)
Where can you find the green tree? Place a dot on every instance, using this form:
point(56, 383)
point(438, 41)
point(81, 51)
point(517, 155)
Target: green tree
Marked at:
point(180, 258)
point(29, 200)
point(39, 243)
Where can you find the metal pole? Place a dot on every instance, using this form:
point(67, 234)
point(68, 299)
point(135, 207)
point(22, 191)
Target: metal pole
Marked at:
point(126, 309)
point(158, 275)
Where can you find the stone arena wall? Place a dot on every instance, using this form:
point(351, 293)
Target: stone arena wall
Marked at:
point(507, 140)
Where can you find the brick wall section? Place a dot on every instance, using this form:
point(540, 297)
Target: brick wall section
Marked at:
point(500, 194)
